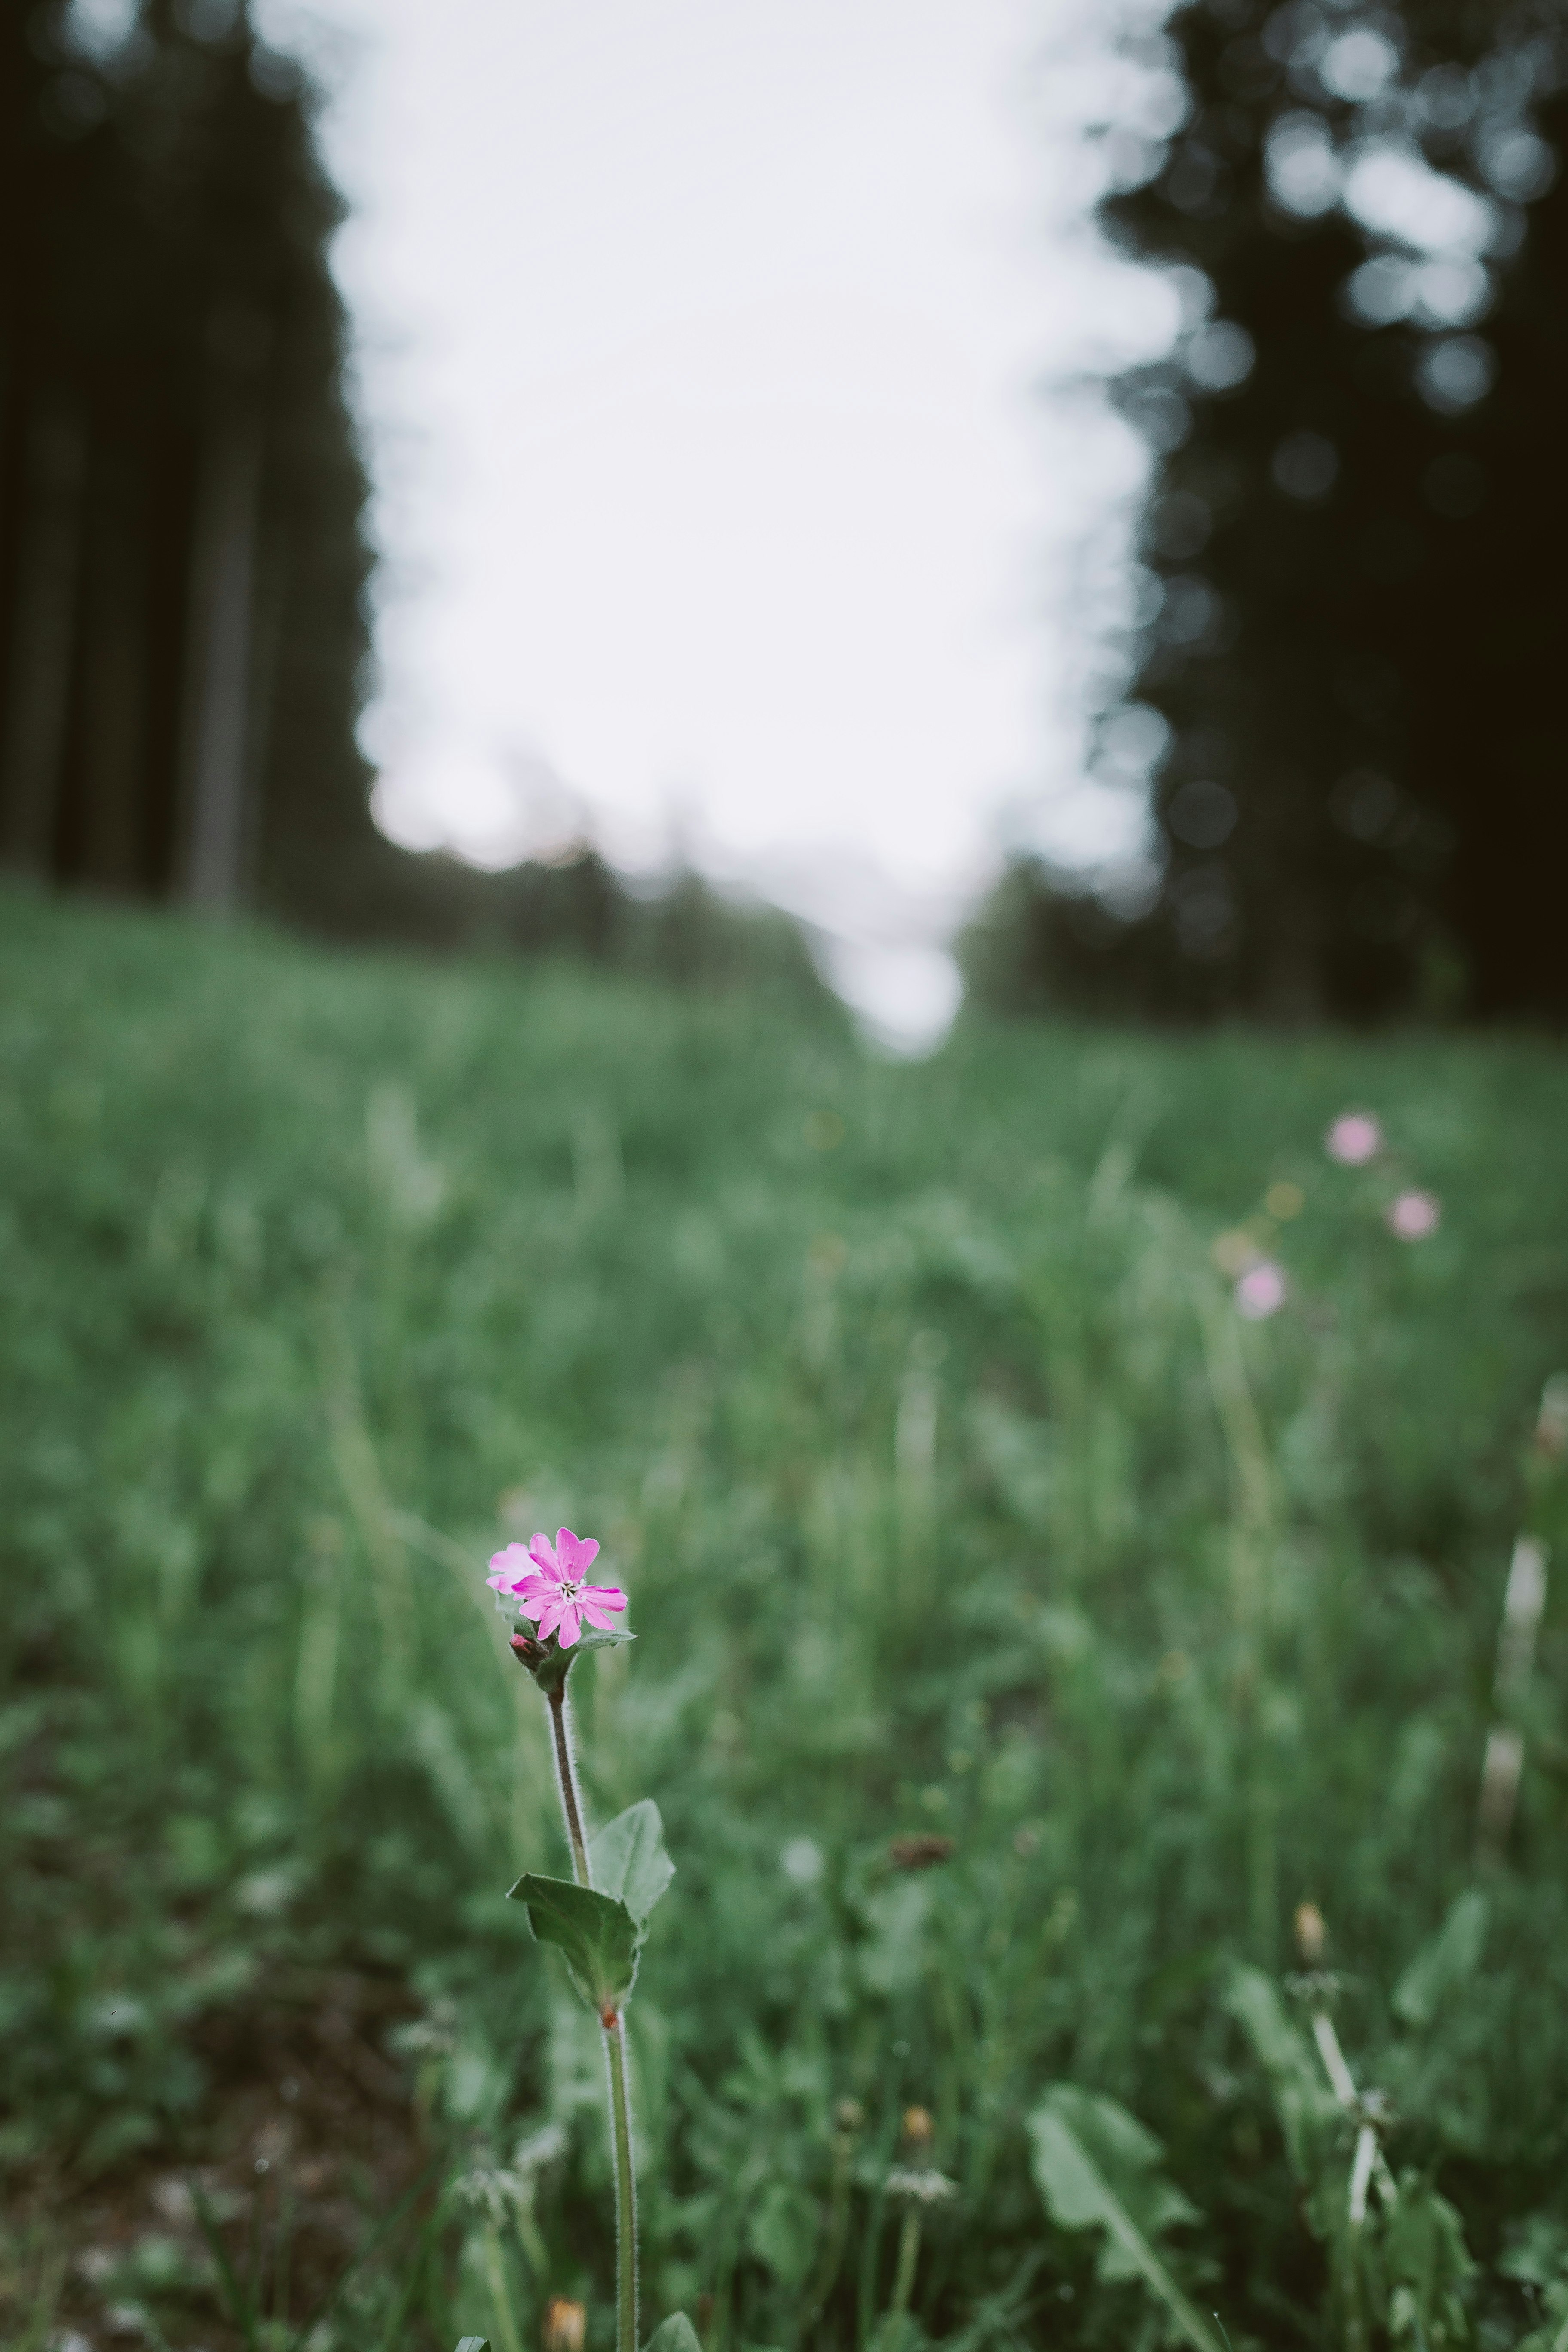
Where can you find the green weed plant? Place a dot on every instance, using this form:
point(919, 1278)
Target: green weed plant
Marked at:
point(1022, 1637)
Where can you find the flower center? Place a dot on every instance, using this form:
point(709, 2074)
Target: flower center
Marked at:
point(570, 1587)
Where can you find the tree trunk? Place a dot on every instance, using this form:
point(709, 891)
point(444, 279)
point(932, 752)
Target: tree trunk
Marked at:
point(39, 668)
point(223, 595)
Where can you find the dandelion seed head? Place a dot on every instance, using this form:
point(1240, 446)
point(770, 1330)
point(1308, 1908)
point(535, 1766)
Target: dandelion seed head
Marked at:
point(921, 2185)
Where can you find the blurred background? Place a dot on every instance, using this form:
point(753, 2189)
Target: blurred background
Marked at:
point(1066, 494)
point(785, 778)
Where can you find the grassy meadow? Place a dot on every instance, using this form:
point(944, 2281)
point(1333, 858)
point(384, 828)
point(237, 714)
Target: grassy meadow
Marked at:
point(1022, 1637)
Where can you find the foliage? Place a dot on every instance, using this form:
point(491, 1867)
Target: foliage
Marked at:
point(1097, 2168)
point(600, 1929)
point(1348, 576)
point(676, 928)
point(1020, 1638)
point(173, 293)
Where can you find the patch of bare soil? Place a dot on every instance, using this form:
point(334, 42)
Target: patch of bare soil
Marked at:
point(310, 2148)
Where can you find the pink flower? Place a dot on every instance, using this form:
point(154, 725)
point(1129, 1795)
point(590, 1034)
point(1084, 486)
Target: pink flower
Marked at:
point(547, 1582)
point(1354, 1138)
point(1413, 1216)
point(1262, 1291)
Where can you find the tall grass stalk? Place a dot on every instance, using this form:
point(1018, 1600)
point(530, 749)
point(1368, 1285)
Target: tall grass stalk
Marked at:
point(942, 1527)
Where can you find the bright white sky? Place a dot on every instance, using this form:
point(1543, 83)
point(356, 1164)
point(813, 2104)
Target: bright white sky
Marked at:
point(700, 344)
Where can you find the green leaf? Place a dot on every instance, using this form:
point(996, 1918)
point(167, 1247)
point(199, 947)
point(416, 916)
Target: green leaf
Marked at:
point(1303, 2101)
point(1096, 2168)
point(549, 1665)
point(1429, 2263)
point(627, 1859)
point(674, 2333)
point(1444, 1963)
point(783, 2231)
point(612, 1638)
point(1537, 2252)
point(596, 1933)
point(892, 1959)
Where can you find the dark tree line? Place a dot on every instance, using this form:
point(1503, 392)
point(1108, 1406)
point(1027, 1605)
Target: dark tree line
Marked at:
point(182, 564)
point(1355, 593)
point(184, 638)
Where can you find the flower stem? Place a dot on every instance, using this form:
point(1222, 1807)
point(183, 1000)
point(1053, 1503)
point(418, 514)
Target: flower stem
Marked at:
point(566, 1779)
point(625, 2187)
point(904, 2276)
point(500, 2295)
point(615, 2051)
point(828, 2267)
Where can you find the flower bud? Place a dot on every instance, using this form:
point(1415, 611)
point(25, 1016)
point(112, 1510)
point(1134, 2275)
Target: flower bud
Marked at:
point(921, 1851)
point(920, 2131)
point(547, 1661)
point(1552, 1428)
point(1310, 1933)
point(566, 2323)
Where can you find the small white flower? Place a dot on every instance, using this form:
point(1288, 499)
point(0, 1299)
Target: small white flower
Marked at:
point(925, 2187)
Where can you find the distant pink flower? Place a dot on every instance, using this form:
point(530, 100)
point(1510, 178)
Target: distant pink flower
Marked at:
point(1262, 1291)
point(547, 1582)
point(1413, 1216)
point(1354, 1138)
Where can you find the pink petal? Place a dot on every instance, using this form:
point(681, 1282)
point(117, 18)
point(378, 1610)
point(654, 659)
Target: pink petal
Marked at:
point(571, 1625)
point(1414, 1215)
point(576, 1553)
point(595, 1616)
point(510, 1563)
point(1354, 1138)
point(541, 1552)
point(538, 1588)
point(549, 1616)
point(499, 1583)
point(1262, 1291)
point(608, 1596)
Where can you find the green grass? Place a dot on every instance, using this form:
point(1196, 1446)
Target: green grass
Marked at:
point(953, 1497)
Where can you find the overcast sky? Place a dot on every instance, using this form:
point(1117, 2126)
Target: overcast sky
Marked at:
point(698, 346)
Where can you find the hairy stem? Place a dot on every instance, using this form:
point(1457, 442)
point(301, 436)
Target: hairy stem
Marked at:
point(615, 2051)
point(625, 2187)
point(567, 1779)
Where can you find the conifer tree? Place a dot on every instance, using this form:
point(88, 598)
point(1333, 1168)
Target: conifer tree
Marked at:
point(182, 562)
point(1352, 584)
